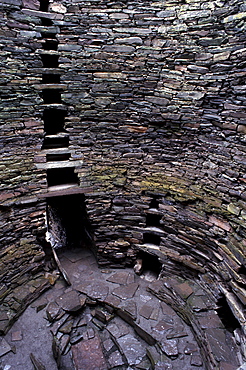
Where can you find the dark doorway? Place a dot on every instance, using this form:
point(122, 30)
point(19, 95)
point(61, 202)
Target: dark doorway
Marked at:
point(62, 176)
point(149, 238)
point(149, 263)
point(226, 316)
point(68, 223)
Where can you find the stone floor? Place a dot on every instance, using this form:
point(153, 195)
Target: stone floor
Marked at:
point(106, 319)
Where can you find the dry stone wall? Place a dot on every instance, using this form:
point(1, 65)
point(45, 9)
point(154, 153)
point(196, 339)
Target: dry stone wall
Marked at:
point(155, 121)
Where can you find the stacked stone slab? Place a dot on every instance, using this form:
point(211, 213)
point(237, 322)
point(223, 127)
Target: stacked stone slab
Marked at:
point(154, 95)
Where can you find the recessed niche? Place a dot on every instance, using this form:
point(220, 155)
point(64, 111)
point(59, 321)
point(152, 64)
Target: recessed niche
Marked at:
point(54, 120)
point(51, 96)
point(51, 44)
point(58, 157)
point(44, 5)
point(50, 61)
point(226, 316)
point(153, 219)
point(61, 176)
point(55, 142)
point(242, 271)
point(51, 78)
point(154, 203)
point(46, 22)
point(149, 238)
point(149, 262)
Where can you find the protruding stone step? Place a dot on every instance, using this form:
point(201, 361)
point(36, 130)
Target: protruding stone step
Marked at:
point(50, 86)
point(59, 164)
point(47, 15)
point(56, 141)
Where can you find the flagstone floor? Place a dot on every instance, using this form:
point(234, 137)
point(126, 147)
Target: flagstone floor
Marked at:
point(106, 319)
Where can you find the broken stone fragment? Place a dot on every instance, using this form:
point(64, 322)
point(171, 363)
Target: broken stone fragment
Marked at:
point(16, 336)
point(196, 360)
point(64, 341)
point(52, 311)
point(170, 347)
point(71, 301)
point(127, 291)
point(36, 363)
point(4, 347)
point(102, 315)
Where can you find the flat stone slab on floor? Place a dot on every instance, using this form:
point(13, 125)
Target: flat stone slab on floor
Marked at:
point(126, 291)
point(88, 355)
point(95, 289)
point(4, 347)
point(132, 348)
point(122, 277)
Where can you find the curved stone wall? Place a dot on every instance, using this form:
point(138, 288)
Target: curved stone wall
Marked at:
point(155, 121)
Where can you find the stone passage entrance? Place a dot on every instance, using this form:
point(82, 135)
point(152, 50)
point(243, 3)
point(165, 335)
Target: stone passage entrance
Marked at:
point(67, 222)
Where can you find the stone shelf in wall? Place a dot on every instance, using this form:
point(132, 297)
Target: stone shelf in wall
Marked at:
point(153, 229)
point(59, 164)
point(148, 247)
point(59, 134)
point(154, 211)
point(47, 30)
point(47, 52)
point(56, 151)
point(47, 70)
point(46, 15)
point(51, 86)
point(65, 189)
point(59, 106)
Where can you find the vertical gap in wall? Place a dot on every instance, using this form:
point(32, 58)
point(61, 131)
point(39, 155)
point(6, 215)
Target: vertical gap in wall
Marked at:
point(44, 5)
point(226, 316)
point(54, 117)
point(54, 120)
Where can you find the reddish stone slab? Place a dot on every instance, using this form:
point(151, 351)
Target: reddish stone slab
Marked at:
point(88, 355)
point(126, 292)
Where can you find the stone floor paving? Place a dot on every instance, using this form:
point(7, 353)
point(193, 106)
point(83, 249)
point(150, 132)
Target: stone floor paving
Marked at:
point(106, 319)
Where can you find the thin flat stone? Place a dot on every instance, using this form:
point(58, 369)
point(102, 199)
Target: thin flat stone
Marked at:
point(146, 311)
point(129, 307)
point(132, 349)
point(170, 347)
point(88, 354)
point(16, 336)
point(120, 277)
point(70, 301)
point(167, 310)
point(155, 314)
point(126, 292)
point(96, 289)
point(108, 344)
point(115, 359)
point(160, 329)
point(3, 316)
point(210, 320)
point(52, 311)
point(196, 360)
point(112, 301)
point(184, 290)
point(118, 329)
point(221, 351)
point(4, 347)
